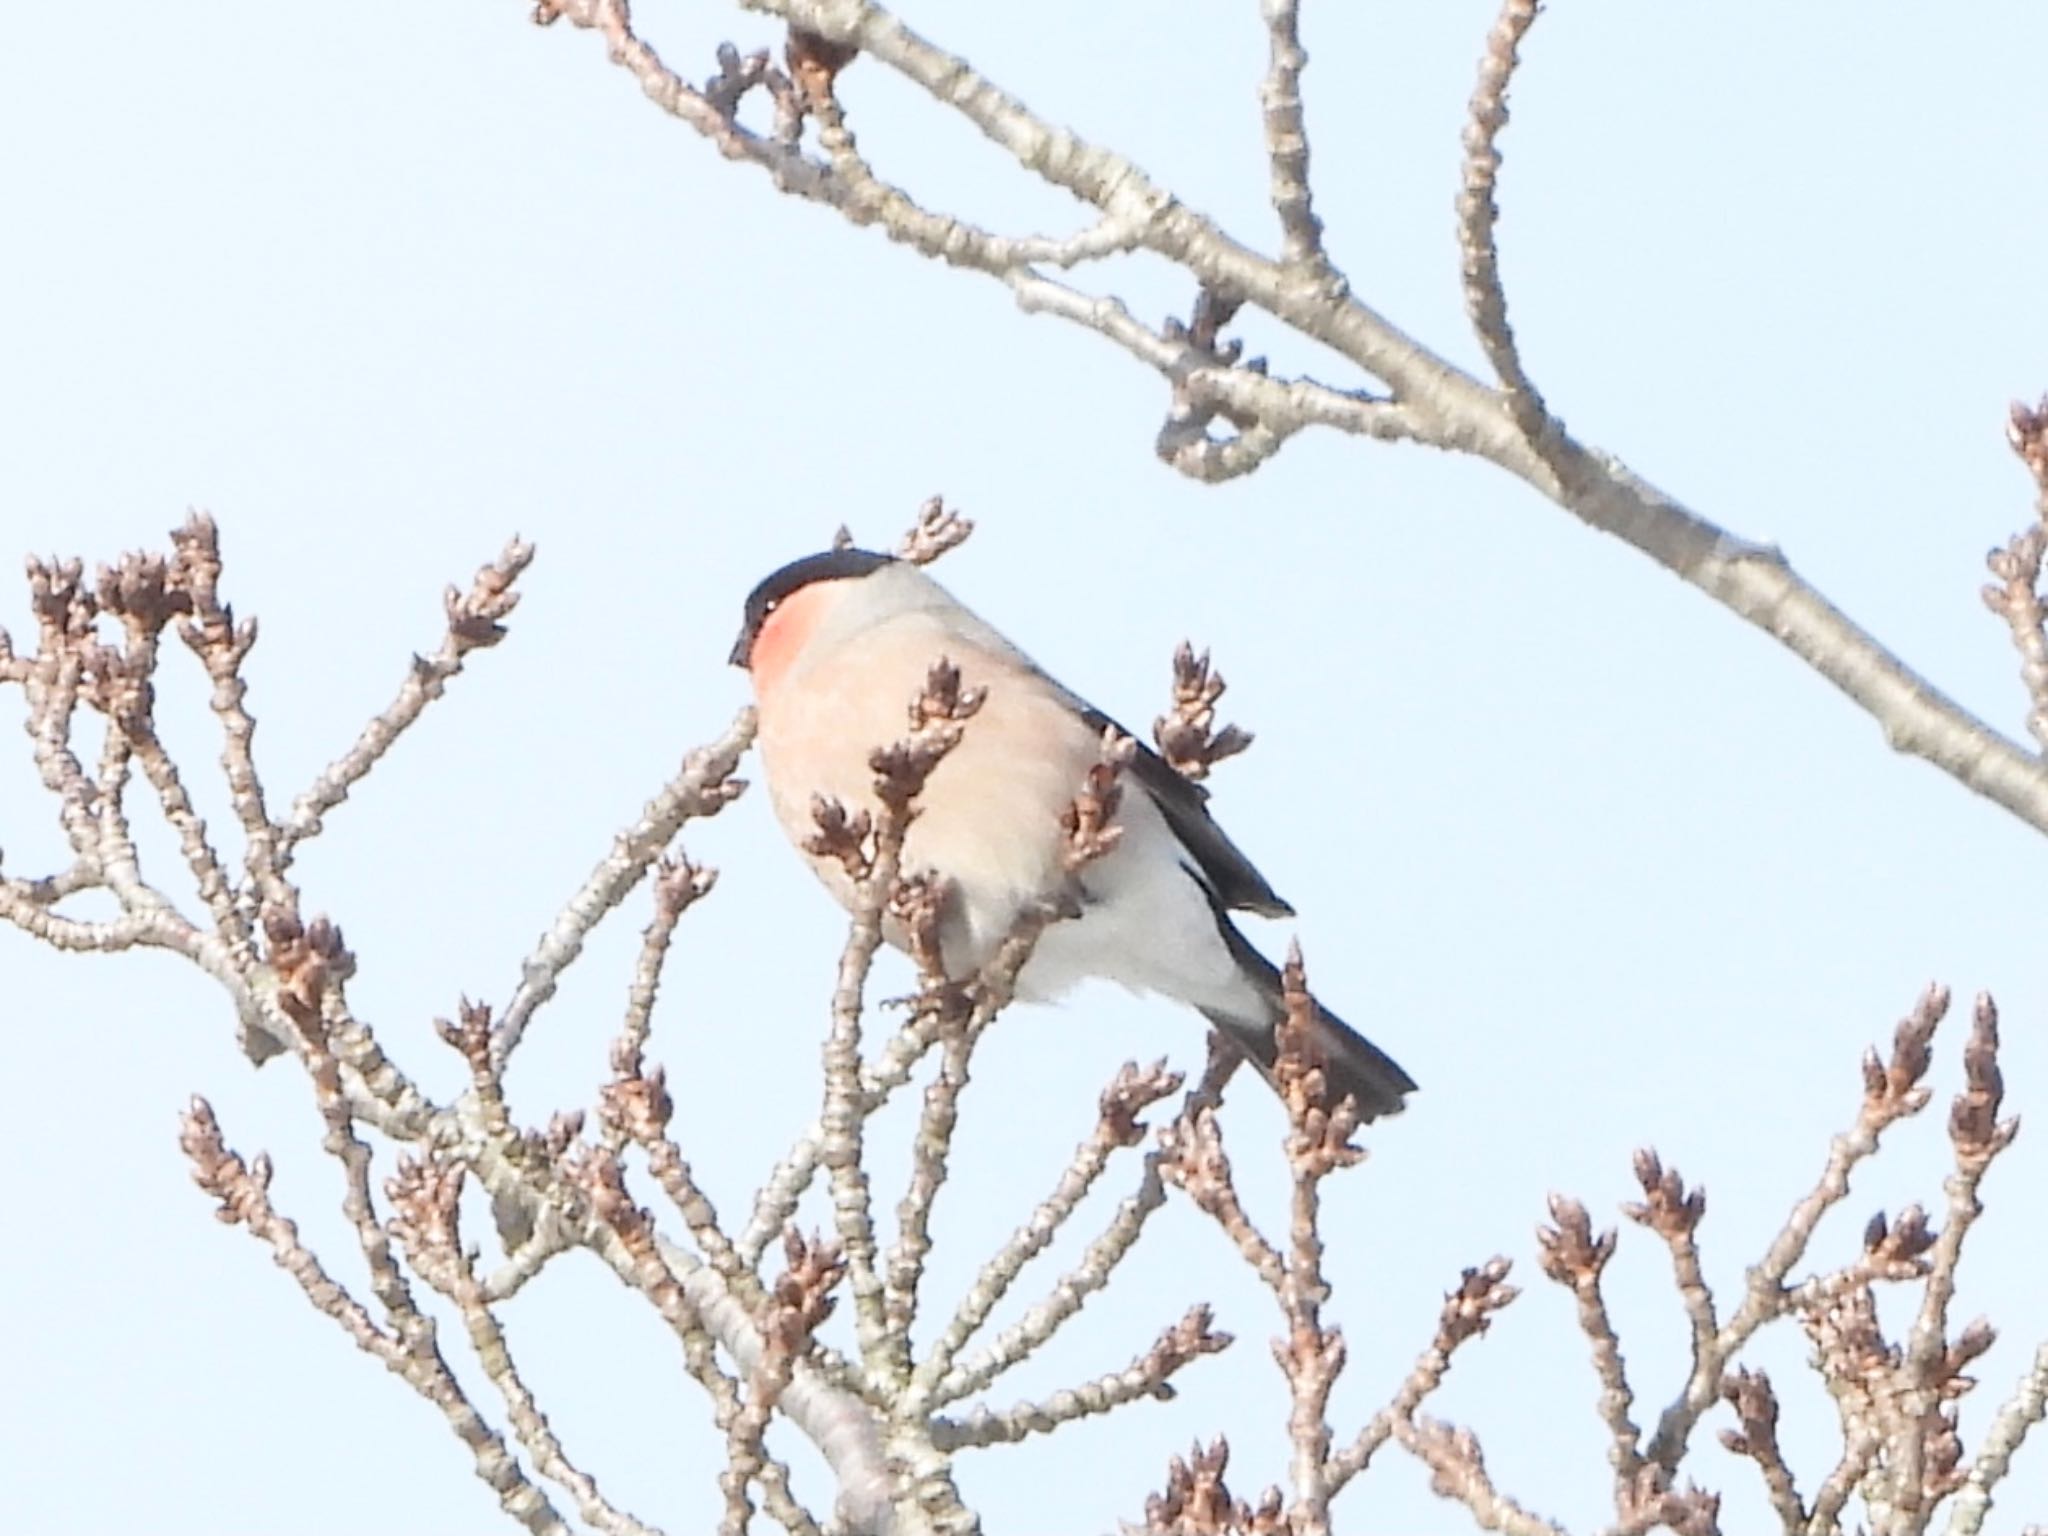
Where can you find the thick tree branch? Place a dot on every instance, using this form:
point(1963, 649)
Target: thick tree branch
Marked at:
point(1426, 398)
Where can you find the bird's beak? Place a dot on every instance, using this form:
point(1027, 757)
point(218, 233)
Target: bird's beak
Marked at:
point(741, 648)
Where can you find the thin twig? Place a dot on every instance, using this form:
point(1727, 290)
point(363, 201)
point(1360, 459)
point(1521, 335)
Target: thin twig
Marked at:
point(1148, 1376)
point(1117, 1126)
point(1287, 134)
point(2017, 596)
point(1575, 1258)
point(425, 1196)
point(1098, 1261)
point(678, 885)
point(1467, 1314)
point(474, 621)
point(1485, 298)
point(1892, 1091)
point(704, 786)
point(1458, 1471)
point(1756, 1408)
point(2026, 1408)
point(243, 1192)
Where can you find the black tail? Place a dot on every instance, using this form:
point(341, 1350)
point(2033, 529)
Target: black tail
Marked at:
point(1352, 1065)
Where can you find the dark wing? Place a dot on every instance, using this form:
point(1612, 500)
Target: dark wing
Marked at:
point(1235, 884)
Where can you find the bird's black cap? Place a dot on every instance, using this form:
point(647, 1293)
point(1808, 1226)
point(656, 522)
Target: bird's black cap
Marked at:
point(831, 565)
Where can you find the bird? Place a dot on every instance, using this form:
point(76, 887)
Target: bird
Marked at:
point(837, 644)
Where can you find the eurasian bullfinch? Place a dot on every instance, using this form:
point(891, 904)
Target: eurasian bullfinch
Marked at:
point(838, 644)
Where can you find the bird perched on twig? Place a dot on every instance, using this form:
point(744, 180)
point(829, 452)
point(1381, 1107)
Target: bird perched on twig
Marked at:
point(838, 643)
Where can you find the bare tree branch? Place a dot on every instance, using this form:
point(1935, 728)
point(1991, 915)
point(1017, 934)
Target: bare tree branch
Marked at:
point(1426, 399)
point(754, 1345)
point(703, 787)
point(1287, 134)
point(475, 621)
point(1485, 298)
point(2017, 598)
point(2026, 1408)
point(243, 1192)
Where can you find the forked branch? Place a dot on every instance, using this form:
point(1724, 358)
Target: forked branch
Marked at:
point(1401, 389)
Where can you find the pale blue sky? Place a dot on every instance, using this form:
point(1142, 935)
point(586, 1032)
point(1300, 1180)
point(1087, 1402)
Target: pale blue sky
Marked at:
point(1598, 864)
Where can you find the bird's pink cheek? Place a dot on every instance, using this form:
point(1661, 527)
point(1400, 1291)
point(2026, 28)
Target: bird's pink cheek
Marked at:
point(781, 639)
